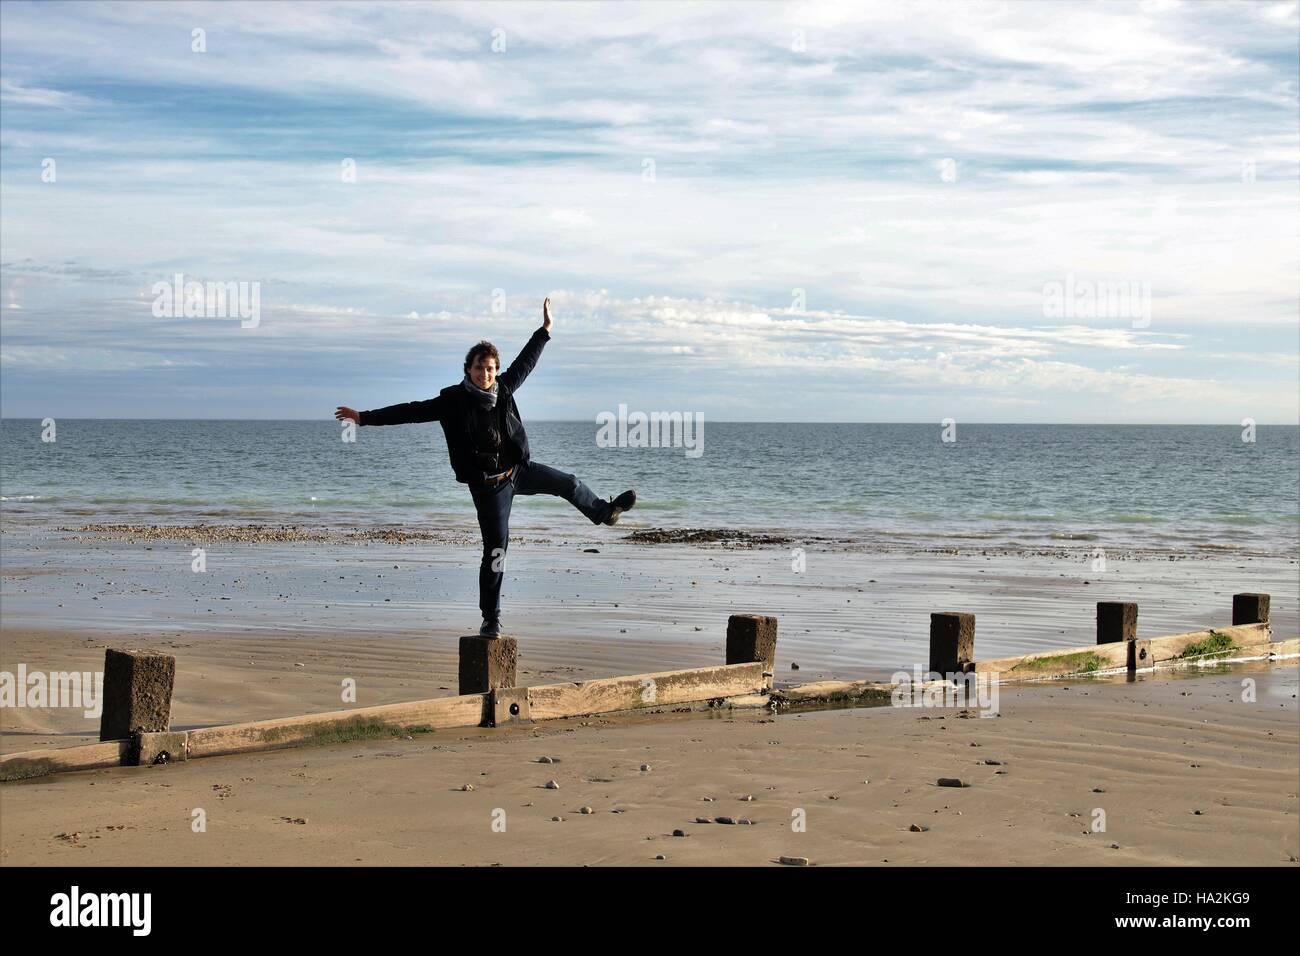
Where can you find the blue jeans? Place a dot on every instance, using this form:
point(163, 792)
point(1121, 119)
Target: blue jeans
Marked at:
point(493, 506)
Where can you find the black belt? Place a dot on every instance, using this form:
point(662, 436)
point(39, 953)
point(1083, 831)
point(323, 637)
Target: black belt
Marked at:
point(495, 480)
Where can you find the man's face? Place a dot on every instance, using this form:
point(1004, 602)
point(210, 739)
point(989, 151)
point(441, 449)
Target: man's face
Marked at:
point(483, 372)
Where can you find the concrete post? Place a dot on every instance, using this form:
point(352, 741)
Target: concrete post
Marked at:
point(487, 663)
point(751, 639)
point(1116, 621)
point(952, 641)
point(137, 693)
point(1250, 608)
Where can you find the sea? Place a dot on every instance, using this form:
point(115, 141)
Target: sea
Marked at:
point(1181, 488)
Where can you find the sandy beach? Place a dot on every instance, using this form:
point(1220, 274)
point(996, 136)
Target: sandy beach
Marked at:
point(1184, 771)
point(273, 629)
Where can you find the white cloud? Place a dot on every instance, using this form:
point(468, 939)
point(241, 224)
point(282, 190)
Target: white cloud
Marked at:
point(1101, 141)
point(16, 93)
point(72, 358)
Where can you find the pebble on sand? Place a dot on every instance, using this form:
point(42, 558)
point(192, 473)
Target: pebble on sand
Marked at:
point(917, 828)
point(552, 785)
point(586, 811)
point(679, 833)
point(467, 788)
point(952, 782)
point(645, 768)
point(727, 820)
point(794, 860)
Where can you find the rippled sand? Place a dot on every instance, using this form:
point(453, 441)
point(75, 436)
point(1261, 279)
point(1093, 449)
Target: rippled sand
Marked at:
point(1182, 772)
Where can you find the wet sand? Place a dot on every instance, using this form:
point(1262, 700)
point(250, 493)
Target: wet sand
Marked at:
point(847, 614)
point(1150, 754)
point(273, 628)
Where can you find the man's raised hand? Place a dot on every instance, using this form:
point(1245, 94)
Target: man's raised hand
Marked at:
point(343, 412)
point(546, 314)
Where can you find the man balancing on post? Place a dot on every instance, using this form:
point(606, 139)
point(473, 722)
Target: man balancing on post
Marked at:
point(489, 452)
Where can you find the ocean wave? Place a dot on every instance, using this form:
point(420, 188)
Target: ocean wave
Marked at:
point(374, 502)
point(1073, 536)
point(135, 500)
point(1239, 519)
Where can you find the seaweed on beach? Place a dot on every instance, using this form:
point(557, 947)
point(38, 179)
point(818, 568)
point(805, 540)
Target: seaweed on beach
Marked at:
point(852, 696)
point(264, 534)
point(1083, 662)
point(1217, 644)
point(25, 769)
point(704, 536)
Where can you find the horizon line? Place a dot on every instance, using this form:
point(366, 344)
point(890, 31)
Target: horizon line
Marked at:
point(724, 421)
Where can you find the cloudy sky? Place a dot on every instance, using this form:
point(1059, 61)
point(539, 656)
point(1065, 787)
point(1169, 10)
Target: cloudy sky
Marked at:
point(761, 211)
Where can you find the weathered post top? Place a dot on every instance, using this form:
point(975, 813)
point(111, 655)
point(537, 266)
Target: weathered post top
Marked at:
point(137, 693)
point(1250, 608)
point(751, 639)
point(487, 663)
point(952, 641)
point(1116, 621)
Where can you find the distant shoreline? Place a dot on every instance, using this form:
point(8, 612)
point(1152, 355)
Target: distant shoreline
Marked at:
point(327, 419)
point(1060, 545)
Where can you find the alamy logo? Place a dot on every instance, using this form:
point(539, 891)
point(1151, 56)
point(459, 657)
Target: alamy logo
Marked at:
point(208, 300)
point(917, 689)
point(655, 430)
point(1085, 299)
point(83, 689)
point(103, 909)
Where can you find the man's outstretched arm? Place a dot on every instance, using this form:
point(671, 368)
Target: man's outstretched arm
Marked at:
point(404, 414)
point(514, 376)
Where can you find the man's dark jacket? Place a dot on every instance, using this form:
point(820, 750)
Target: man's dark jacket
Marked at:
point(454, 409)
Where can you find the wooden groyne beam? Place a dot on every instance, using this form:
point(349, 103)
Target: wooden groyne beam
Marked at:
point(38, 763)
point(140, 695)
point(1118, 647)
point(437, 713)
point(141, 683)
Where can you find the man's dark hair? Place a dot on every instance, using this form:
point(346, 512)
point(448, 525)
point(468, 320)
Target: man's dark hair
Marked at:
point(485, 350)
